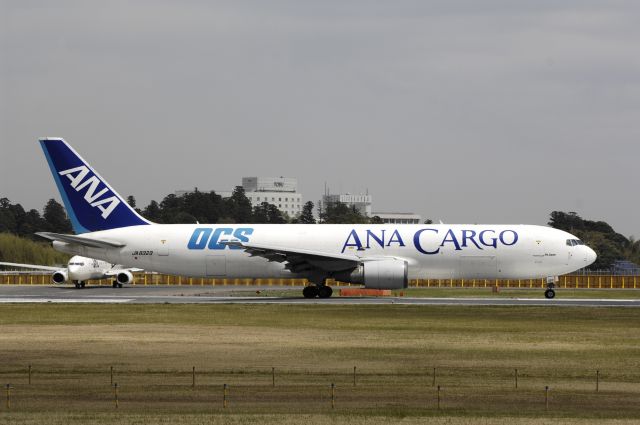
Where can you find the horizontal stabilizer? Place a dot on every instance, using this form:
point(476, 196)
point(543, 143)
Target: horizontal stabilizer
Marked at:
point(120, 268)
point(80, 240)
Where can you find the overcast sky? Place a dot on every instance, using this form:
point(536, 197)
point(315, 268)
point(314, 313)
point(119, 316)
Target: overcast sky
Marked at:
point(465, 111)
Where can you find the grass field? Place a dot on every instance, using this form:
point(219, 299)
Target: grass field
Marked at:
point(475, 351)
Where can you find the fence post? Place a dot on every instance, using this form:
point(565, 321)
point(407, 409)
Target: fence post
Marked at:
point(546, 397)
point(438, 397)
point(29, 374)
point(115, 394)
point(333, 395)
point(433, 384)
point(354, 376)
point(516, 377)
point(111, 369)
point(8, 387)
point(224, 395)
point(273, 376)
point(193, 377)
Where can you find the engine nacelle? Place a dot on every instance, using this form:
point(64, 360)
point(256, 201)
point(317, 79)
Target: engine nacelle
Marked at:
point(60, 277)
point(124, 277)
point(380, 274)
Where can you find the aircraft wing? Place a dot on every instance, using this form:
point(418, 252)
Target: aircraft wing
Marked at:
point(79, 240)
point(32, 266)
point(300, 260)
point(120, 268)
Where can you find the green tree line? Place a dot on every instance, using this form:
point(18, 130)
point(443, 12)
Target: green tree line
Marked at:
point(600, 236)
point(14, 219)
point(209, 207)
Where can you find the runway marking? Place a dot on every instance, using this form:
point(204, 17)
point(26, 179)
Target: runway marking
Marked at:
point(149, 297)
point(22, 300)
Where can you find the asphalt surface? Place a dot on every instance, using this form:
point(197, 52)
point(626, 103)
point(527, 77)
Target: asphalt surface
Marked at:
point(258, 295)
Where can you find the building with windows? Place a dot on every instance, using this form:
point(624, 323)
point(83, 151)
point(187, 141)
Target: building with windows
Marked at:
point(361, 202)
point(279, 191)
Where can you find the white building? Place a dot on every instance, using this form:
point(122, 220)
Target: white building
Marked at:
point(361, 202)
point(279, 191)
point(398, 218)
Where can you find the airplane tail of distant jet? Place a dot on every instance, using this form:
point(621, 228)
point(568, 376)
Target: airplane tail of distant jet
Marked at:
point(91, 204)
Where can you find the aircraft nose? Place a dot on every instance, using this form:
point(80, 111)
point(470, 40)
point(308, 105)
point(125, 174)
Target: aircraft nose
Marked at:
point(591, 256)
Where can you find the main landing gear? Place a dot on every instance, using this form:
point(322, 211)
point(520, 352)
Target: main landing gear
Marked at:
point(320, 291)
point(550, 293)
point(78, 284)
point(116, 284)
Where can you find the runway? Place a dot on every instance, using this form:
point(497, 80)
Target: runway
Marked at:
point(259, 295)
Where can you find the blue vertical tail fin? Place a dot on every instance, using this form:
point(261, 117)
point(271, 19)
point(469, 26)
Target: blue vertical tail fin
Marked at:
point(91, 204)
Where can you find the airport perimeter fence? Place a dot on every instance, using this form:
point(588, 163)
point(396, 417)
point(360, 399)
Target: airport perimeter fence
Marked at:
point(497, 389)
point(576, 281)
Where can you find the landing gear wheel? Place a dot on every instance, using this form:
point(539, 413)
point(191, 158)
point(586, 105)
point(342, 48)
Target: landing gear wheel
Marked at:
point(77, 284)
point(115, 284)
point(119, 285)
point(549, 293)
point(82, 284)
point(325, 291)
point(310, 291)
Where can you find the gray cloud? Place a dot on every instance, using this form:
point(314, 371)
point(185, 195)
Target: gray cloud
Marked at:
point(465, 111)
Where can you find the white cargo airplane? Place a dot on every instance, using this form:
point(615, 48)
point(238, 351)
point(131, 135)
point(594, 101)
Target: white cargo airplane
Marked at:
point(80, 269)
point(377, 256)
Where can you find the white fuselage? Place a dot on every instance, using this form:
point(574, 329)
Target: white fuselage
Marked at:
point(436, 251)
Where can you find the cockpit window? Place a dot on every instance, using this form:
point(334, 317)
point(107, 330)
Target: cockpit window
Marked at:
point(574, 242)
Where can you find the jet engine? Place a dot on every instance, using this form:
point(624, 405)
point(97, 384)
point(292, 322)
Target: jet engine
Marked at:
point(380, 274)
point(124, 277)
point(60, 277)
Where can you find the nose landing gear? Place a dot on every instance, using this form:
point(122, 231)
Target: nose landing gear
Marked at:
point(550, 293)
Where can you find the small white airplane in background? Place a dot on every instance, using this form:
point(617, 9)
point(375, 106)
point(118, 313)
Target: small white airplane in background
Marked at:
point(80, 269)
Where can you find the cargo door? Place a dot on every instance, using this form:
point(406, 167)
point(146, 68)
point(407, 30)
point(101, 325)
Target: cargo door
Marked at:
point(163, 248)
